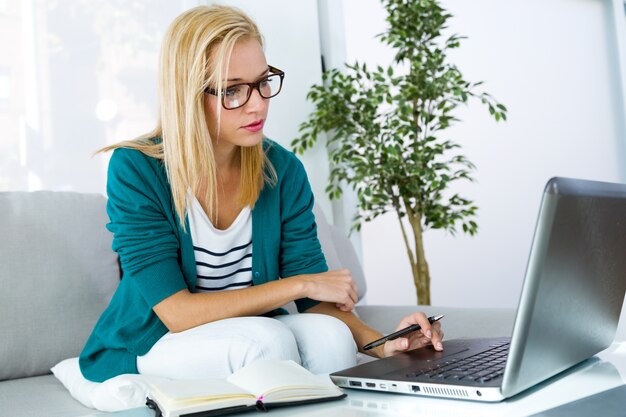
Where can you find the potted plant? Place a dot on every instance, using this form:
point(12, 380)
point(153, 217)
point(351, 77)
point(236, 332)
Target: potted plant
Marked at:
point(386, 131)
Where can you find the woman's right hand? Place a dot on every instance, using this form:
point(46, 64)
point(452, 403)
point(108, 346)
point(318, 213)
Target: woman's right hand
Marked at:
point(333, 286)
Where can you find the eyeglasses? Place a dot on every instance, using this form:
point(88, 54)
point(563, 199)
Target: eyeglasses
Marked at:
point(238, 95)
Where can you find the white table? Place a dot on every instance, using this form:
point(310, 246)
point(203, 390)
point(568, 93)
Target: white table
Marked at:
point(603, 372)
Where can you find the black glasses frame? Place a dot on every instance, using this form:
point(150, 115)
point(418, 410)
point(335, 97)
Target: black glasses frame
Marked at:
point(255, 85)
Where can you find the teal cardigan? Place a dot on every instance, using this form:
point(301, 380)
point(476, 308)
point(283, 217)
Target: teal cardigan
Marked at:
point(157, 257)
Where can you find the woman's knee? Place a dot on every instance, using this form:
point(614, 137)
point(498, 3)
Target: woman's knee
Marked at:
point(271, 339)
point(333, 333)
point(324, 342)
point(219, 348)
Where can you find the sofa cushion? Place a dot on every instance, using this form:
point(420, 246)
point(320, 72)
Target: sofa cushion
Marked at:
point(348, 258)
point(39, 396)
point(326, 239)
point(58, 273)
point(338, 250)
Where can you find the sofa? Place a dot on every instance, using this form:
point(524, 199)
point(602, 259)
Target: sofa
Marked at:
point(58, 273)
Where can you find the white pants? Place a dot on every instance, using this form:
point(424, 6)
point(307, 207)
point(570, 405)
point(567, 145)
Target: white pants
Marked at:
point(320, 343)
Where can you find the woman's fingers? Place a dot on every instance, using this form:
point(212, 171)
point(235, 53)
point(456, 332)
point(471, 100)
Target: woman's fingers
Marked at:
point(428, 334)
point(395, 346)
point(333, 286)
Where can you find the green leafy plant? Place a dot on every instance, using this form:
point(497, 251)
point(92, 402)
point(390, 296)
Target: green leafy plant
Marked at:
point(385, 129)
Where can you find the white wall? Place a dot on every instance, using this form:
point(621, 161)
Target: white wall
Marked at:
point(554, 64)
point(76, 76)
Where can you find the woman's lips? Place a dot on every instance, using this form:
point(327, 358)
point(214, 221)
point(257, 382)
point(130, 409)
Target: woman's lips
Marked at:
point(254, 126)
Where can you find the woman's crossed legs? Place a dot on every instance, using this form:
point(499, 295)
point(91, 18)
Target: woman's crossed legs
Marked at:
point(320, 343)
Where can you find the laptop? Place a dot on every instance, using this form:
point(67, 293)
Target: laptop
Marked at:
point(568, 311)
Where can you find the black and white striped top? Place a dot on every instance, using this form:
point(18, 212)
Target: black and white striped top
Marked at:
point(223, 257)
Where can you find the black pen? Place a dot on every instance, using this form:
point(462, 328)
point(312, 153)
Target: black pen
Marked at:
point(400, 333)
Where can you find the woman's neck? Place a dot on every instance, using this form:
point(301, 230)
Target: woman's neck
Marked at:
point(227, 158)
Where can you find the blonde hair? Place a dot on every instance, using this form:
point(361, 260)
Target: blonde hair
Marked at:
point(195, 53)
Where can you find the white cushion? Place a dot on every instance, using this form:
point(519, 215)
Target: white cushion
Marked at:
point(116, 394)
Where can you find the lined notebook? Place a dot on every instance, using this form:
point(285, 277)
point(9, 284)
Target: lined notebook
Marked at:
point(261, 385)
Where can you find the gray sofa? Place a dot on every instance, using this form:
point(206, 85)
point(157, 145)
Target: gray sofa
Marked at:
point(58, 273)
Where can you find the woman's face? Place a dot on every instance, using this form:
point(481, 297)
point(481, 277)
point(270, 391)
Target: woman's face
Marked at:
point(242, 126)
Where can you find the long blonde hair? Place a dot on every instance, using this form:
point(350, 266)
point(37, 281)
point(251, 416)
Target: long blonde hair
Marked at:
point(195, 53)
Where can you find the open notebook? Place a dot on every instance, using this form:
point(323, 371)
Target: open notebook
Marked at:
point(262, 385)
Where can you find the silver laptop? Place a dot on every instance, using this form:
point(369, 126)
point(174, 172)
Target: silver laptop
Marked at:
point(568, 311)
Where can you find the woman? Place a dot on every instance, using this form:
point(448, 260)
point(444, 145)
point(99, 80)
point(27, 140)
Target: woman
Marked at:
point(207, 215)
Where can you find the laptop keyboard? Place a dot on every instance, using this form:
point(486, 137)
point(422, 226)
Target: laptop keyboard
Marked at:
point(482, 367)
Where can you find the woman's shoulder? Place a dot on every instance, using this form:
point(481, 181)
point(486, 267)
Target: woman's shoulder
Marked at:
point(281, 158)
point(136, 151)
point(131, 158)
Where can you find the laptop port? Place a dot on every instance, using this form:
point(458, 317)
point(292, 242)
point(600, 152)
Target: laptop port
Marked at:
point(415, 388)
point(356, 384)
point(370, 384)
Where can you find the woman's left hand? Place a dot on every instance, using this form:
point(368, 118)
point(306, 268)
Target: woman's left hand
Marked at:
point(427, 335)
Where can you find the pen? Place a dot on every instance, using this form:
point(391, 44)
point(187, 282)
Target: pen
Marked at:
point(400, 333)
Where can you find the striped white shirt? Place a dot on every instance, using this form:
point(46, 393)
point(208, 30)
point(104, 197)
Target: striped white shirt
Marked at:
point(223, 257)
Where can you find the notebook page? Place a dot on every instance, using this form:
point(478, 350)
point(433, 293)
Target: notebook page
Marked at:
point(274, 380)
point(181, 391)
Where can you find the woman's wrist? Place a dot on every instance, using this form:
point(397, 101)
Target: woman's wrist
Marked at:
point(377, 352)
point(300, 286)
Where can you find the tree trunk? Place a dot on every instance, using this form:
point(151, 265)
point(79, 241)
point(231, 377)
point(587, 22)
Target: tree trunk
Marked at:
point(417, 259)
point(421, 273)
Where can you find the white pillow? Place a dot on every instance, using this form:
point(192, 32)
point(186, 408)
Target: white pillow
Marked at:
point(116, 394)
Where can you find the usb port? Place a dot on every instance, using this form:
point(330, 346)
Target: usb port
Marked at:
point(356, 384)
point(370, 384)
